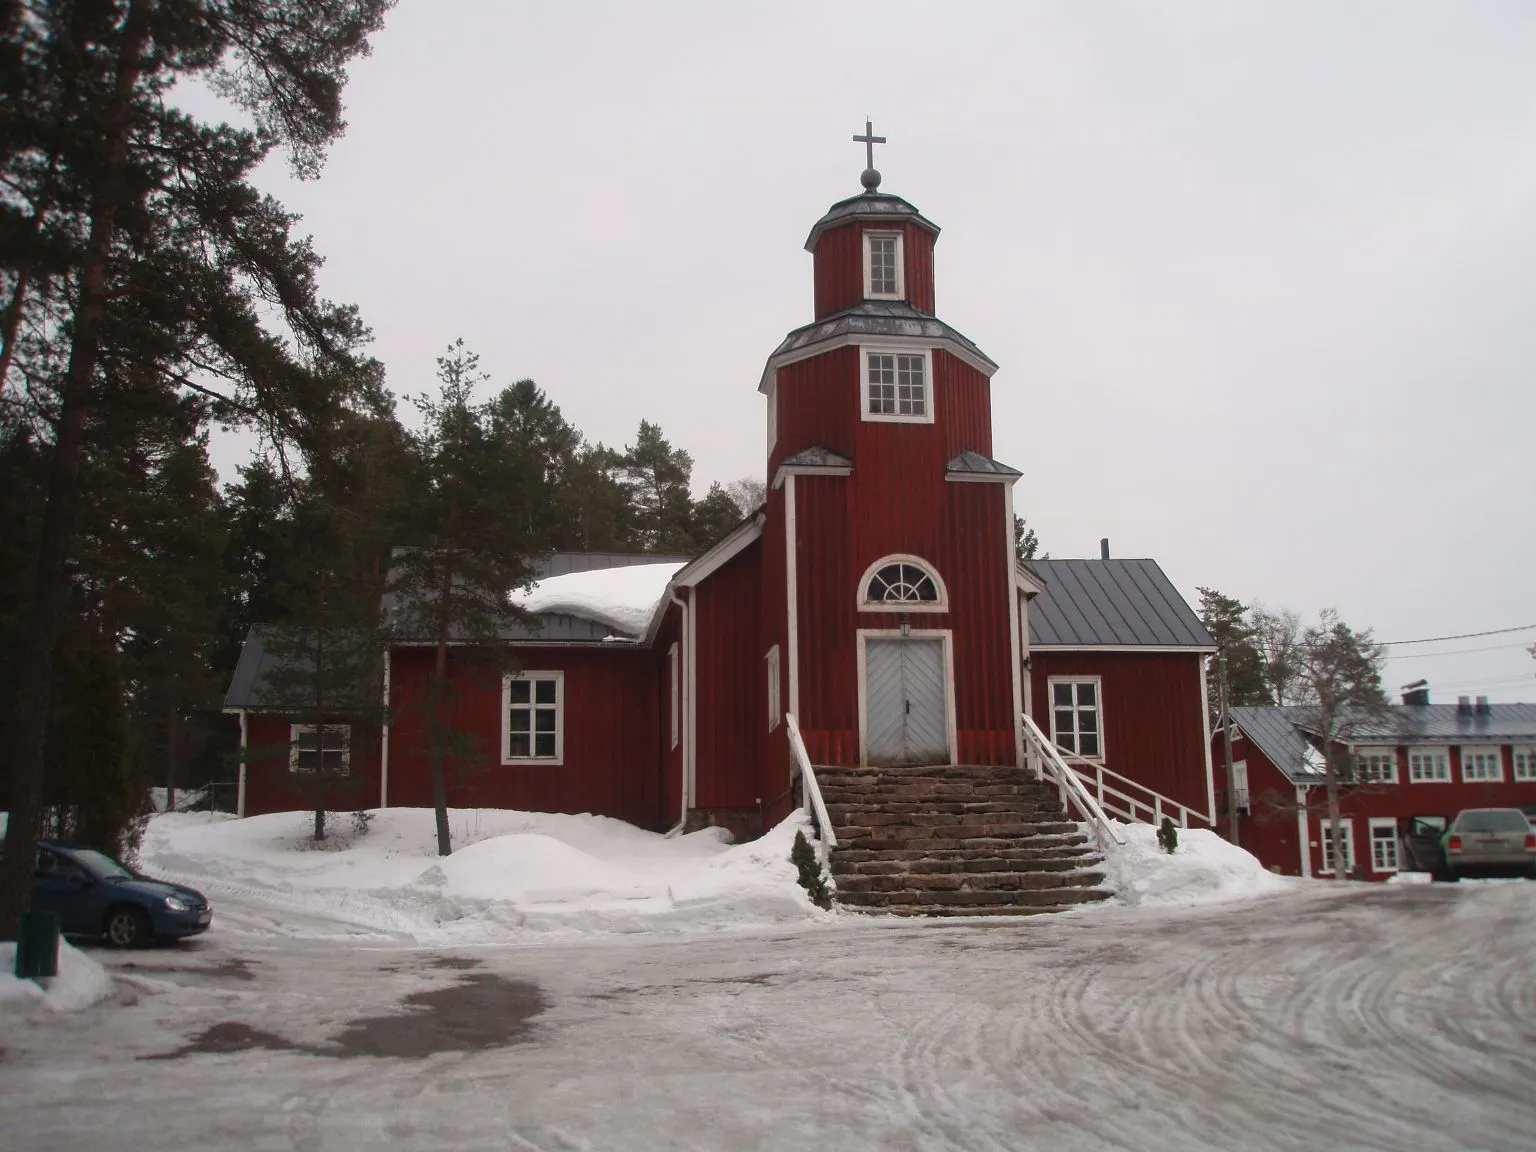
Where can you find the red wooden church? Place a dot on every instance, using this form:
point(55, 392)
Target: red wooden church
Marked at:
point(875, 596)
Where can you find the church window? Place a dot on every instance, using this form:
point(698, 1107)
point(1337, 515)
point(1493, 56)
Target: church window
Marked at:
point(882, 266)
point(323, 748)
point(775, 710)
point(533, 728)
point(1077, 716)
point(902, 584)
point(896, 386)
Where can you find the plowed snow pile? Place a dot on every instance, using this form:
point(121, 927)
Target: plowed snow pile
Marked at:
point(80, 983)
point(510, 873)
point(1205, 869)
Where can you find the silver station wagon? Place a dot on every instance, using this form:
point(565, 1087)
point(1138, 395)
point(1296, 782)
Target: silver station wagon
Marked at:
point(1490, 842)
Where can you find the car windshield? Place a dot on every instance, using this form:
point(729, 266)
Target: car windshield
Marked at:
point(1492, 820)
point(102, 864)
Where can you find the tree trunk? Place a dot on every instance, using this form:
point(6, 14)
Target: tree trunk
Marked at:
point(30, 709)
point(318, 781)
point(435, 695)
point(172, 726)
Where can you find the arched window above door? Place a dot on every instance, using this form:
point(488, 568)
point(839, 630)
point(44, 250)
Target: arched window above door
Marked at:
point(902, 584)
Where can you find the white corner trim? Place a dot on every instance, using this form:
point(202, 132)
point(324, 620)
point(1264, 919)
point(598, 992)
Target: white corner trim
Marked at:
point(244, 744)
point(1303, 831)
point(1015, 656)
point(791, 599)
point(1205, 721)
point(863, 605)
point(691, 759)
point(863, 635)
point(1025, 580)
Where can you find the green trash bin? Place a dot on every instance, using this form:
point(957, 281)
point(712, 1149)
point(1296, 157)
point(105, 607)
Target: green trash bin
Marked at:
point(37, 947)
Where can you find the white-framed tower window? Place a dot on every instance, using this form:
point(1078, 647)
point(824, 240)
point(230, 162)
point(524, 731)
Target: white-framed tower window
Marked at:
point(1481, 765)
point(1376, 765)
point(675, 681)
point(775, 709)
point(533, 718)
point(1240, 785)
point(1429, 766)
point(322, 748)
point(1383, 844)
point(902, 583)
point(883, 274)
point(896, 386)
point(1325, 838)
point(1077, 715)
point(1525, 761)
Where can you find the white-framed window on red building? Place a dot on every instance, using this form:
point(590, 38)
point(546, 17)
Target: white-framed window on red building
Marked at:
point(882, 266)
point(1429, 766)
point(1077, 715)
point(1481, 765)
point(775, 709)
point(1378, 765)
point(1525, 761)
point(1383, 844)
point(323, 748)
point(896, 386)
point(533, 718)
point(1325, 840)
point(674, 688)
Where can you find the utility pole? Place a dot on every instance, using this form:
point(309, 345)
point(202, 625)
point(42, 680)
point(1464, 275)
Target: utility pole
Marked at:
point(1226, 740)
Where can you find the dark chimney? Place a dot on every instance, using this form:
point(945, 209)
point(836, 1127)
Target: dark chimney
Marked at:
point(1463, 705)
point(1416, 693)
point(1483, 707)
point(1104, 548)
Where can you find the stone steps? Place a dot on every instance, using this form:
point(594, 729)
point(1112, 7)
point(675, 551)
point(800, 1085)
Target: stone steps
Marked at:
point(955, 840)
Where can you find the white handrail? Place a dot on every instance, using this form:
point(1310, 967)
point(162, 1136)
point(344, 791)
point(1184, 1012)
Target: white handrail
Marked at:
point(826, 839)
point(1068, 780)
point(1094, 775)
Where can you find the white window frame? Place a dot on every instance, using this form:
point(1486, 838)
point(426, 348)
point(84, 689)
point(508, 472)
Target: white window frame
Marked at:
point(297, 730)
point(1387, 824)
point(1325, 844)
point(901, 273)
point(1240, 795)
point(867, 605)
point(1443, 767)
point(775, 708)
point(1369, 758)
point(676, 704)
point(923, 354)
point(1098, 709)
point(1524, 757)
point(533, 675)
point(1481, 753)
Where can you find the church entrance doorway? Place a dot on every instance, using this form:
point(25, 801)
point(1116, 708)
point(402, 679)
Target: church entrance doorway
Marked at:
point(906, 699)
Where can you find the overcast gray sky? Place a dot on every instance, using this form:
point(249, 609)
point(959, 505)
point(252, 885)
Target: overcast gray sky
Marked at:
point(1261, 277)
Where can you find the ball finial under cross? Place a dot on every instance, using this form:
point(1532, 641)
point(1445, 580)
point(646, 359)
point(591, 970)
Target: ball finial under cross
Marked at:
point(870, 178)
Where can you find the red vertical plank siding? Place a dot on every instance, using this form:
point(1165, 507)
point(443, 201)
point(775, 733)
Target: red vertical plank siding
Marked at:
point(1151, 713)
point(962, 405)
point(731, 683)
point(818, 403)
point(839, 266)
point(611, 734)
point(271, 787)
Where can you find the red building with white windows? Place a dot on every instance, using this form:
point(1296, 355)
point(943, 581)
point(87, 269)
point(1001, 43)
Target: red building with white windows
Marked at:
point(1417, 764)
point(875, 596)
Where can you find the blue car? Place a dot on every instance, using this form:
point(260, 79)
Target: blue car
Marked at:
point(94, 895)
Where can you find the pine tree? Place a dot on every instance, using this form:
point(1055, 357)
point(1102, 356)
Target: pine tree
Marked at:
point(1229, 623)
point(657, 476)
point(713, 518)
point(136, 251)
point(1026, 545)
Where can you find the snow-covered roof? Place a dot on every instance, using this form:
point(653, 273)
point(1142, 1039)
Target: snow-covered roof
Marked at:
point(624, 599)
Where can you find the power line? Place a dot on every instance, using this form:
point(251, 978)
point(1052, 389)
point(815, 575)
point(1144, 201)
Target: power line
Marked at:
point(1459, 651)
point(1460, 636)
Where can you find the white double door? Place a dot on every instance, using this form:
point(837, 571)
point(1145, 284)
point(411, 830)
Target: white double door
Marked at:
point(906, 700)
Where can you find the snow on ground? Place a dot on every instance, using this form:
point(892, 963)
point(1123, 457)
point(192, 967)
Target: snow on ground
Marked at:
point(622, 598)
point(1205, 869)
point(80, 983)
point(511, 874)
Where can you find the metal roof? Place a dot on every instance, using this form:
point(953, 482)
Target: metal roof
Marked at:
point(868, 206)
point(816, 456)
point(564, 563)
point(878, 318)
point(1111, 604)
point(970, 463)
point(1279, 732)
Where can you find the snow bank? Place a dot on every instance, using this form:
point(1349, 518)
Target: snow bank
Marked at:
point(1204, 870)
point(80, 983)
point(625, 599)
point(511, 873)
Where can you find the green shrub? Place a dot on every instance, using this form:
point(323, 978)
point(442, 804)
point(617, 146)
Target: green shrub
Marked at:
point(803, 857)
point(1168, 835)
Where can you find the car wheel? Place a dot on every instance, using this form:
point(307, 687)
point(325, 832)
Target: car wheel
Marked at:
point(126, 926)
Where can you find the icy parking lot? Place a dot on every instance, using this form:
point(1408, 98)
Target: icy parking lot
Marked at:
point(1399, 1017)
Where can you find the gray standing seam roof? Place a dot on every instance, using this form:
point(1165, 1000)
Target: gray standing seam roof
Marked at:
point(877, 318)
point(1275, 733)
point(1111, 604)
point(868, 206)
